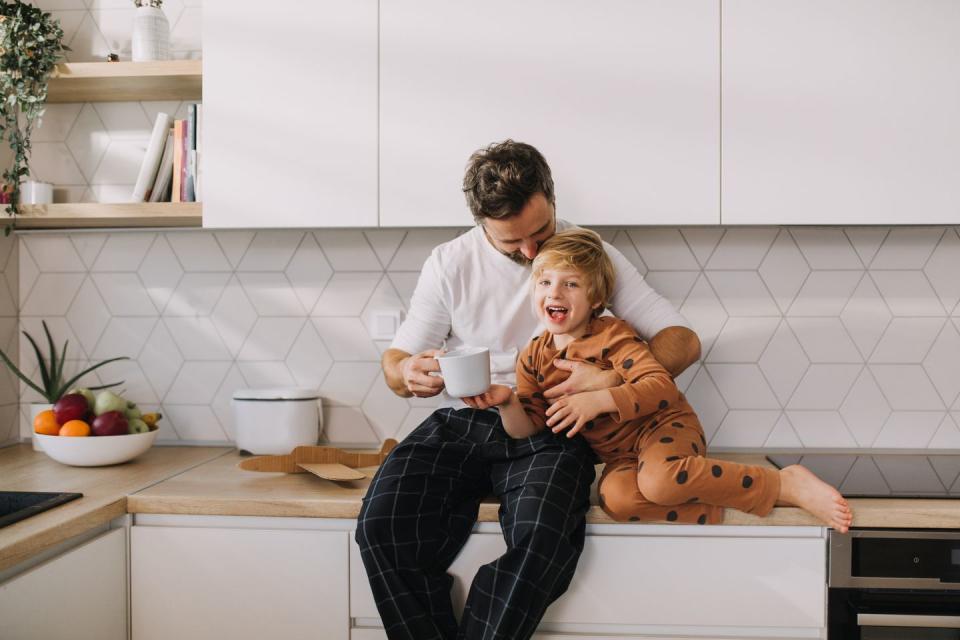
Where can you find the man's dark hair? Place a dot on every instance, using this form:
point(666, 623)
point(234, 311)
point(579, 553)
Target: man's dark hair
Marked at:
point(502, 178)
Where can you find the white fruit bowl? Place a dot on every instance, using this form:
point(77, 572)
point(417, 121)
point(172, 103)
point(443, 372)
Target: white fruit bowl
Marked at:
point(96, 451)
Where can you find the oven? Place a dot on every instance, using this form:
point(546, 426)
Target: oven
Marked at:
point(893, 584)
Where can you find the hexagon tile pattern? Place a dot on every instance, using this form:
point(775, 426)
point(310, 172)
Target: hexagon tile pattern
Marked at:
point(826, 338)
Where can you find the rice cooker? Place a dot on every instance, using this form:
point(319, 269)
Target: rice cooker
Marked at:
point(274, 421)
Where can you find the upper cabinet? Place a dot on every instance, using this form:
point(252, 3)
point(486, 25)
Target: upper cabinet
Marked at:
point(290, 113)
point(621, 96)
point(841, 112)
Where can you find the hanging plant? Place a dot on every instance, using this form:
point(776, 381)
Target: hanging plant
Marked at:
point(30, 47)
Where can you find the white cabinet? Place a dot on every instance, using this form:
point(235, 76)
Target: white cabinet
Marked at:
point(206, 582)
point(290, 113)
point(669, 580)
point(841, 112)
point(79, 595)
point(621, 96)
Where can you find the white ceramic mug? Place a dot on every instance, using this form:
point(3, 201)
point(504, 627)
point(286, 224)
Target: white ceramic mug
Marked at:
point(33, 192)
point(465, 371)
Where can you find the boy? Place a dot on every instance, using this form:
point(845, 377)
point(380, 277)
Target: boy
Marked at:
point(644, 430)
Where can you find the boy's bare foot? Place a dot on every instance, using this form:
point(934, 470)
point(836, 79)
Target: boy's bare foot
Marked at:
point(799, 487)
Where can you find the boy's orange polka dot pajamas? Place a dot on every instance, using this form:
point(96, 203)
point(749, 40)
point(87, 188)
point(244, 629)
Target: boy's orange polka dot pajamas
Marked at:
point(653, 446)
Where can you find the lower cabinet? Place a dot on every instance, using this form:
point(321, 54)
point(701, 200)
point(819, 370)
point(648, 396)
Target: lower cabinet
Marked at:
point(239, 583)
point(200, 577)
point(78, 595)
point(764, 582)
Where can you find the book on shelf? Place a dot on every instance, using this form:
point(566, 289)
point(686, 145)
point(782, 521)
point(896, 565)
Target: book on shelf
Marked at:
point(178, 160)
point(199, 173)
point(151, 160)
point(161, 186)
point(189, 193)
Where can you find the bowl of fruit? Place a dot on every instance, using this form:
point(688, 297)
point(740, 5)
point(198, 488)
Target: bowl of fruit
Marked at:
point(87, 430)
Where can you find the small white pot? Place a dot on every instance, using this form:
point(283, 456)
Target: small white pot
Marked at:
point(35, 408)
point(151, 35)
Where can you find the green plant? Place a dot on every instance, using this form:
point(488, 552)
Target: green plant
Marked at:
point(30, 47)
point(51, 373)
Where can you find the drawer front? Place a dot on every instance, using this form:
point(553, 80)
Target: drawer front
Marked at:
point(659, 580)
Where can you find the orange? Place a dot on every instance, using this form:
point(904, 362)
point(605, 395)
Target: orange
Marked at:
point(75, 428)
point(45, 423)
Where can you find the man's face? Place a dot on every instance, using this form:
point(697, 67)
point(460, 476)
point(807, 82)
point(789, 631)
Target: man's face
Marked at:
point(519, 237)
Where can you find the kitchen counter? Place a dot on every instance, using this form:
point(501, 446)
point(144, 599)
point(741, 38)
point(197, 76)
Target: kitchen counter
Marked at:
point(104, 489)
point(218, 487)
point(206, 481)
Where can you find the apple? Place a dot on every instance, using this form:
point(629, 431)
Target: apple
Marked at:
point(111, 423)
point(72, 406)
point(132, 411)
point(86, 393)
point(138, 426)
point(108, 401)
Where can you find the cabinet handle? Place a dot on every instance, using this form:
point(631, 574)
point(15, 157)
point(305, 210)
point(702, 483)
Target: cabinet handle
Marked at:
point(896, 620)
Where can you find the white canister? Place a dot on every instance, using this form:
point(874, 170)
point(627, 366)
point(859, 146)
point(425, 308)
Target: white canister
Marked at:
point(34, 192)
point(274, 421)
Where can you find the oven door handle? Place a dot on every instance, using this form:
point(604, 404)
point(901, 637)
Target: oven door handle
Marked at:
point(897, 620)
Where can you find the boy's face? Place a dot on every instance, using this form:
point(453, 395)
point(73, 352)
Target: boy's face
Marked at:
point(561, 303)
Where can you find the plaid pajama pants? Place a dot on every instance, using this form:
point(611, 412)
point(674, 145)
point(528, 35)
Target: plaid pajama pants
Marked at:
point(421, 507)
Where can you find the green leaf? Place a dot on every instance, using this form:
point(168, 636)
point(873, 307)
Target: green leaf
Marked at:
point(106, 386)
point(44, 374)
point(70, 382)
point(20, 375)
point(53, 355)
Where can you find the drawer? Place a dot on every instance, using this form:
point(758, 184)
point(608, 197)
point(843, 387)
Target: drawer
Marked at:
point(659, 580)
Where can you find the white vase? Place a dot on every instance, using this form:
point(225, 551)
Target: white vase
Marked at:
point(151, 35)
point(35, 408)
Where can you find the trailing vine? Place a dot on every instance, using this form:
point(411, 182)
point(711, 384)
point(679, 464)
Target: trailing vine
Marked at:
point(31, 44)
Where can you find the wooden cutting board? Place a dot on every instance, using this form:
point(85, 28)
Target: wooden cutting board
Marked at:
point(330, 463)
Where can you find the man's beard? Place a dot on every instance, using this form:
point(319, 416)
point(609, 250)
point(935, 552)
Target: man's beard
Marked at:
point(518, 257)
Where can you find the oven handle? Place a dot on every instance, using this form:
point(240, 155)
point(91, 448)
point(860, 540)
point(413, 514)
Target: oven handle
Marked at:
point(896, 620)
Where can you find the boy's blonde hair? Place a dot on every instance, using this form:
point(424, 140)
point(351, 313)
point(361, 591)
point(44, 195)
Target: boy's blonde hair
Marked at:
point(579, 250)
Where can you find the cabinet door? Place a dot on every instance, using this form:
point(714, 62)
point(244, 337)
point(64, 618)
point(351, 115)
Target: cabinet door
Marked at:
point(647, 582)
point(841, 112)
point(80, 595)
point(238, 583)
point(289, 113)
point(621, 96)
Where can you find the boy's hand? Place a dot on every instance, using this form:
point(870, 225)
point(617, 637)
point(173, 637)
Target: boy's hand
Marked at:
point(583, 377)
point(577, 410)
point(495, 396)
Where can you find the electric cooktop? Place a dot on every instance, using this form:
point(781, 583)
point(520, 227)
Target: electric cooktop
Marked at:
point(876, 475)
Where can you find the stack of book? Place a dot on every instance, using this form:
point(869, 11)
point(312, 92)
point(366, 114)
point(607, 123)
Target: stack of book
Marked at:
point(170, 169)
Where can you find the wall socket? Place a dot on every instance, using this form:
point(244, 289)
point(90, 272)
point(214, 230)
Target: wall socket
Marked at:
point(384, 323)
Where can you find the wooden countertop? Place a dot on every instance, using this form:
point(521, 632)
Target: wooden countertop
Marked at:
point(206, 481)
point(218, 487)
point(104, 489)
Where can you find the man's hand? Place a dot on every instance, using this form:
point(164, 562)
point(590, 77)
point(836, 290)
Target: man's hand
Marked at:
point(577, 410)
point(495, 396)
point(416, 371)
point(583, 377)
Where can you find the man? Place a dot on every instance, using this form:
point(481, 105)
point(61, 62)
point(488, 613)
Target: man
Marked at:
point(422, 504)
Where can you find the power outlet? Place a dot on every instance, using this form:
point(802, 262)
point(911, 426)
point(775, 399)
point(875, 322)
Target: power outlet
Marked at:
point(384, 323)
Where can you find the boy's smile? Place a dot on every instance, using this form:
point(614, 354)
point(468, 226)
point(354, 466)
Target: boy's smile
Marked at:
point(560, 301)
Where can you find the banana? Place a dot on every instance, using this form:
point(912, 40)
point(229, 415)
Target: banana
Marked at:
point(151, 418)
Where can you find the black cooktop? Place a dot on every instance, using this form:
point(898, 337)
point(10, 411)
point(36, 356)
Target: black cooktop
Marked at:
point(18, 505)
point(875, 475)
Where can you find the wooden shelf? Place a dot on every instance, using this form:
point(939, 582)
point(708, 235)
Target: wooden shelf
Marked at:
point(121, 81)
point(93, 215)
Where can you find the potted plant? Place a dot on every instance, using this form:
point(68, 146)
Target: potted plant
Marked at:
point(30, 47)
point(52, 384)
